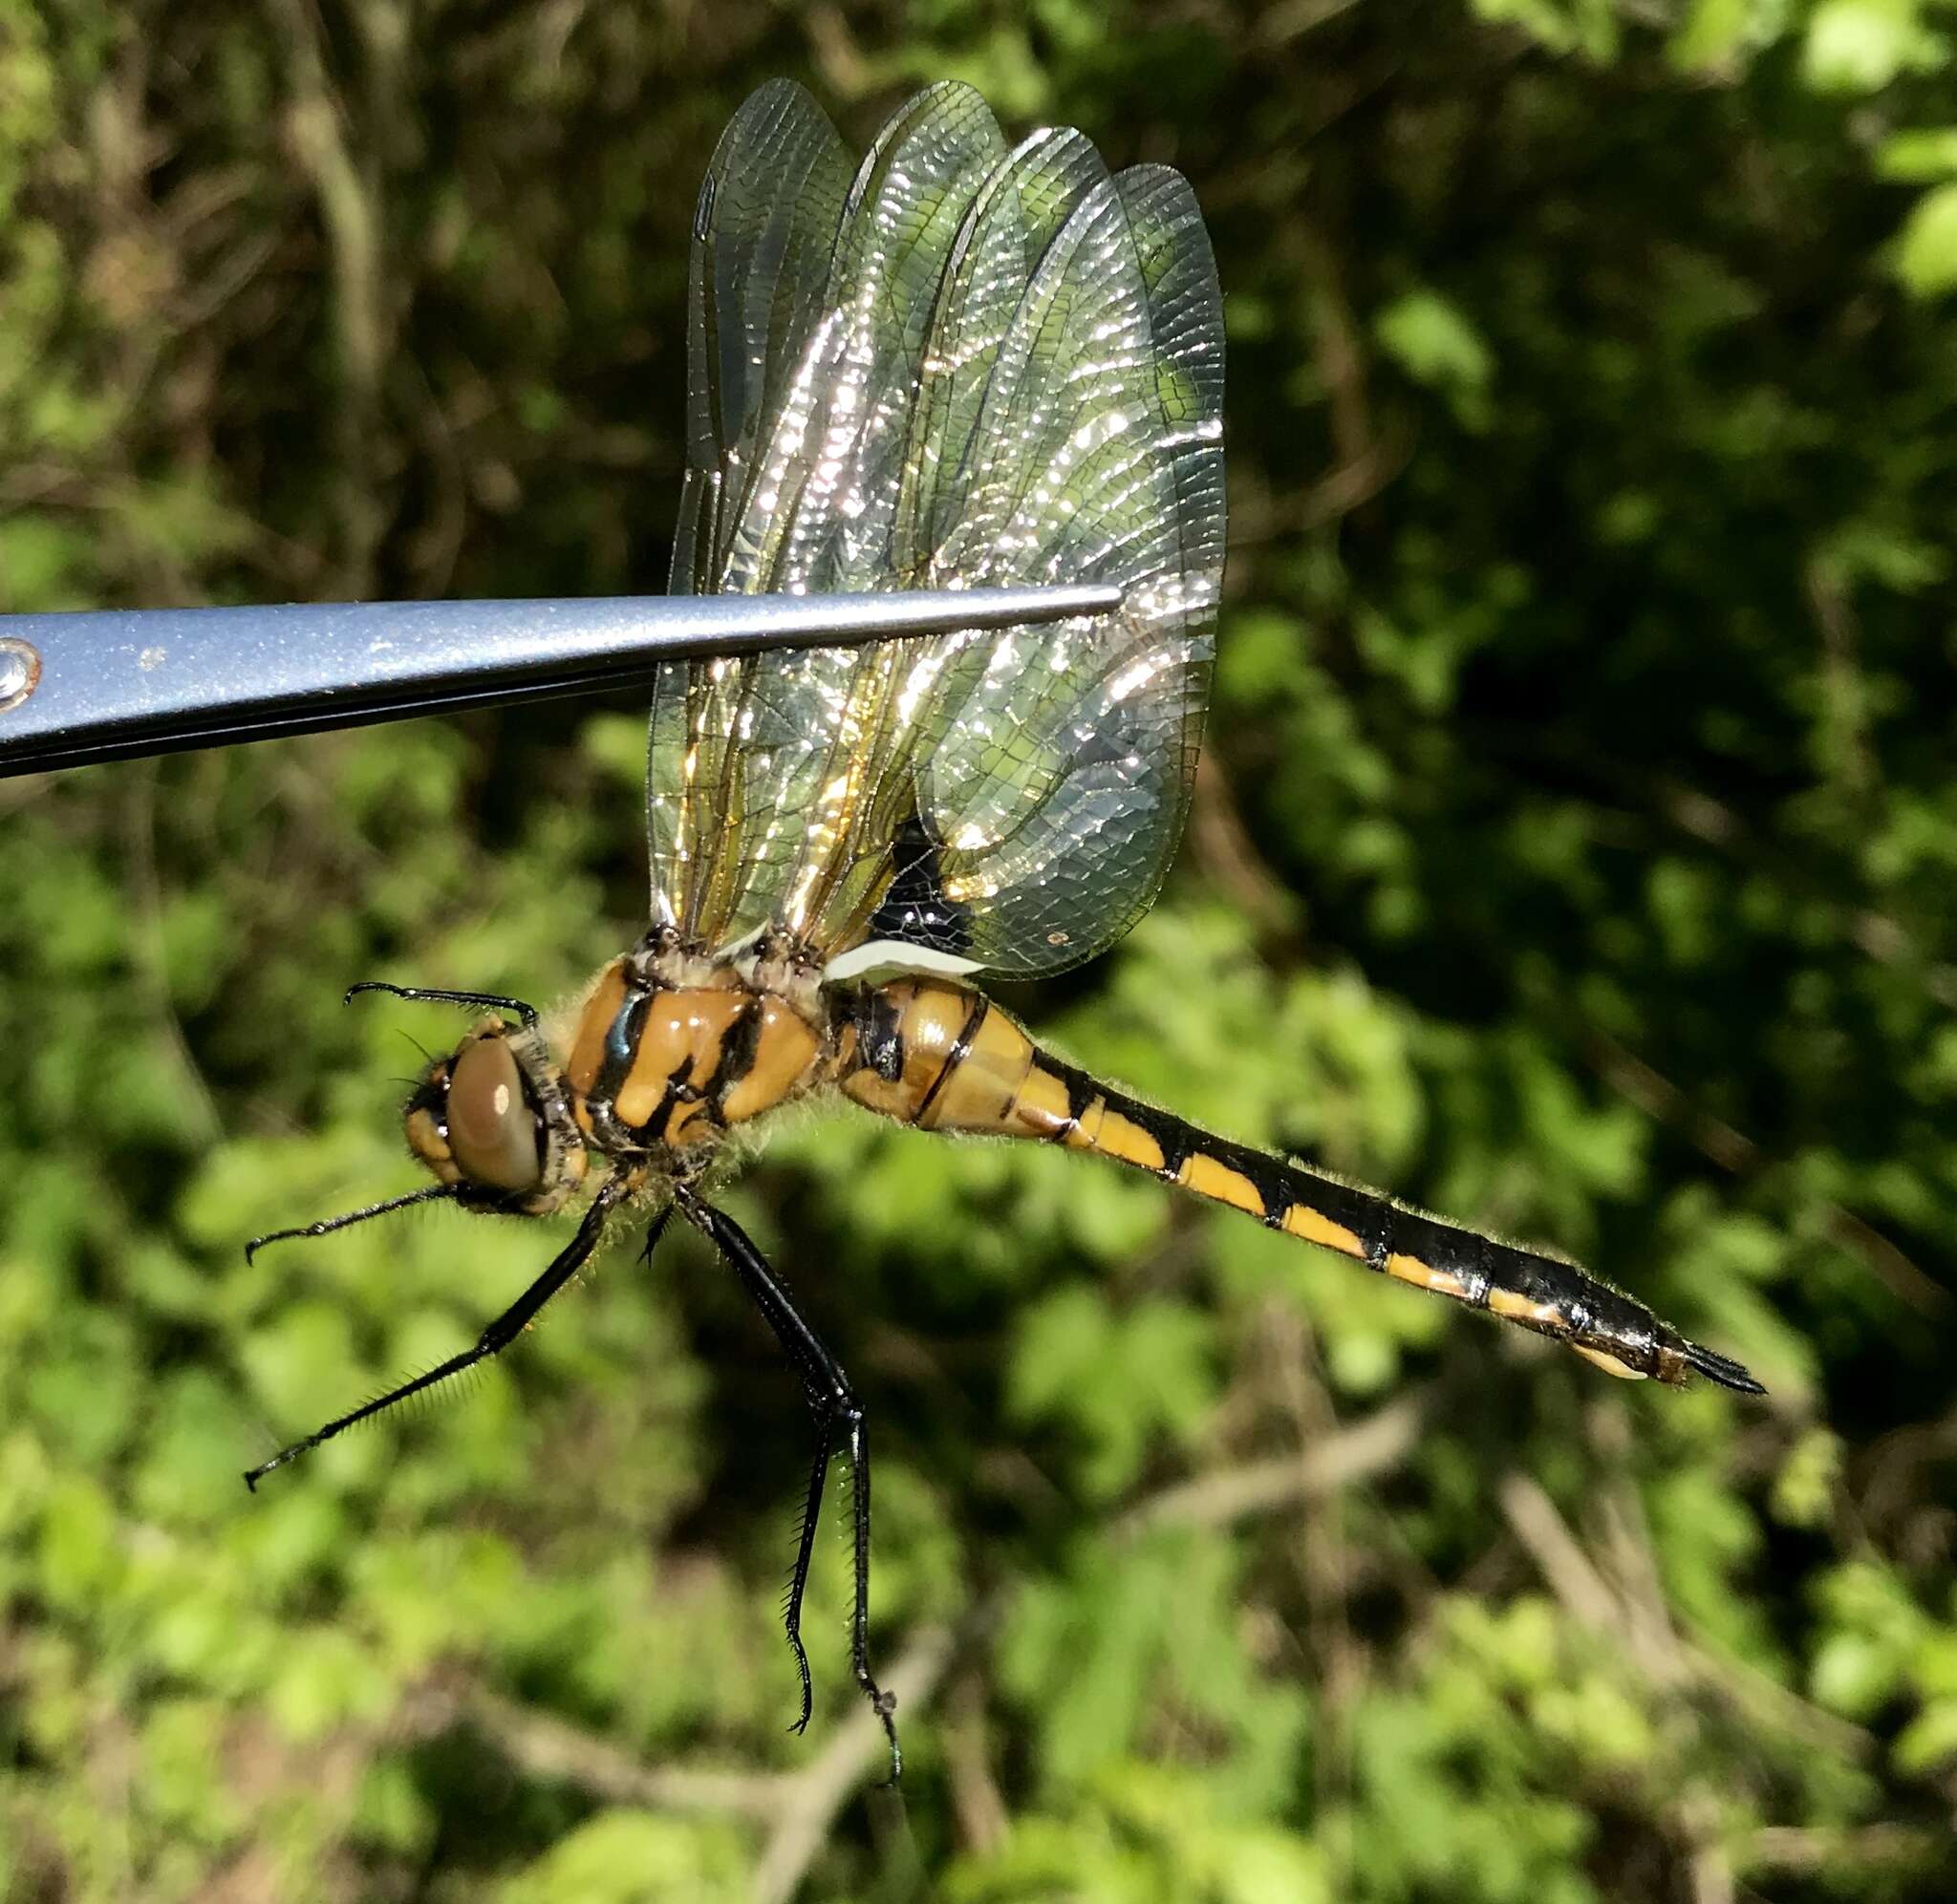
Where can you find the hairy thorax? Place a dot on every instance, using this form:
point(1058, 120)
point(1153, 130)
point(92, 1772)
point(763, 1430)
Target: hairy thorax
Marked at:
point(672, 1049)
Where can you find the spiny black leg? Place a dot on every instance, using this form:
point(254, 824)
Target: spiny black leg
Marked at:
point(497, 1336)
point(819, 1392)
point(526, 1014)
point(856, 1438)
point(781, 1318)
point(805, 1552)
point(833, 1403)
point(326, 1226)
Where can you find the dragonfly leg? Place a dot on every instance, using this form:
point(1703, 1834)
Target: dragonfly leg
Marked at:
point(327, 1225)
point(805, 1552)
point(838, 1419)
point(493, 1340)
point(524, 1015)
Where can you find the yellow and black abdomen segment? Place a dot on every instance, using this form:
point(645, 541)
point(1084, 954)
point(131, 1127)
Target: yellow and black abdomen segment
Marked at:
point(944, 1058)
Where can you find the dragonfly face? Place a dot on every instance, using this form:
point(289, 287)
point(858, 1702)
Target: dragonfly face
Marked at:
point(492, 1122)
point(954, 364)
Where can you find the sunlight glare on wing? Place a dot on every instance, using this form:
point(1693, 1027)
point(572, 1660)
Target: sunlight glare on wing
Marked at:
point(982, 366)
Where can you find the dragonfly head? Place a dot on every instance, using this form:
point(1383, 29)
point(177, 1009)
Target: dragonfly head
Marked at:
point(492, 1121)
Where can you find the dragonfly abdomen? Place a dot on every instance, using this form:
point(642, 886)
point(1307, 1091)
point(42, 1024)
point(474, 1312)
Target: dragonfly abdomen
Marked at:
point(945, 1057)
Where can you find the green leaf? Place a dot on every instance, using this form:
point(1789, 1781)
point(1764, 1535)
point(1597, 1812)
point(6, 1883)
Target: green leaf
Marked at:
point(1563, 26)
point(1117, 1379)
point(1859, 45)
point(625, 1856)
point(1714, 33)
point(1925, 257)
point(1928, 1742)
point(1432, 340)
point(1919, 157)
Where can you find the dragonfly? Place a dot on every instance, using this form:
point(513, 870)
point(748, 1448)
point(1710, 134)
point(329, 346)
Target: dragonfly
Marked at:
point(954, 364)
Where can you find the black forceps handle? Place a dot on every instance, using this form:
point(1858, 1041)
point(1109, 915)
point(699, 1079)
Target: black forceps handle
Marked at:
point(103, 686)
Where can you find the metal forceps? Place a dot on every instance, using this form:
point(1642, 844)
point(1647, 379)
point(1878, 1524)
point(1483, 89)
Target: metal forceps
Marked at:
point(107, 685)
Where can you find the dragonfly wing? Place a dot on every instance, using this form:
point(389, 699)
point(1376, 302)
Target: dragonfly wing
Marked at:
point(756, 766)
point(1013, 374)
point(1058, 784)
point(764, 230)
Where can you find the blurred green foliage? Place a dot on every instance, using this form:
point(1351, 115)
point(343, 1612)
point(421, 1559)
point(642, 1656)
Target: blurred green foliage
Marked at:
point(1576, 853)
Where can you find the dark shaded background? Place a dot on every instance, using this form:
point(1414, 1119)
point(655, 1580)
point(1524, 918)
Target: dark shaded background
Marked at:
point(1575, 852)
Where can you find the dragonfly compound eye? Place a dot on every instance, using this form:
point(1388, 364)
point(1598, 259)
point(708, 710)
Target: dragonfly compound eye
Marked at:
point(494, 1133)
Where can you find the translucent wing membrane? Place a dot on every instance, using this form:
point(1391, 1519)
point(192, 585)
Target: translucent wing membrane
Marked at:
point(762, 233)
point(967, 367)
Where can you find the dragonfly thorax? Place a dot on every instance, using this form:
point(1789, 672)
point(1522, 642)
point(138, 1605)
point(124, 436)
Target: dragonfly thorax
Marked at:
point(674, 1047)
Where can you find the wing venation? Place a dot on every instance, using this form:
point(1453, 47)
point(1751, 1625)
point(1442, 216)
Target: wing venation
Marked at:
point(959, 367)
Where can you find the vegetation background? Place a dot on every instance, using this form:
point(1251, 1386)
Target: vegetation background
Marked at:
point(1576, 852)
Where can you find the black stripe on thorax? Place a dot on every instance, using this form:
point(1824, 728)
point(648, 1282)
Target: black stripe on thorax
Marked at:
point(678, 1092)
point(737, 1054)
point(621, 1045)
